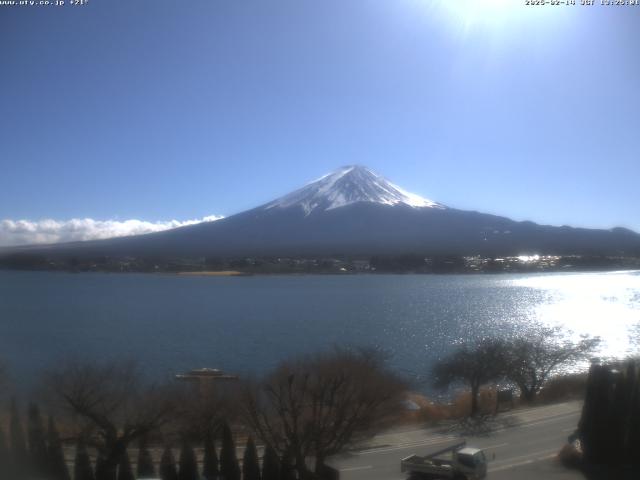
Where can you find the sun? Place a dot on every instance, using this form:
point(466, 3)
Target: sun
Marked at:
point(481, 11)
point(468, 14)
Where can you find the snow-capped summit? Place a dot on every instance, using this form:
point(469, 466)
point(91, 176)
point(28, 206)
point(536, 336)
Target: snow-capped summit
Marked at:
point(347, 185)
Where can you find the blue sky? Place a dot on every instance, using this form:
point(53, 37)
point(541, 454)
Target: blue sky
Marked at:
point(164, 109)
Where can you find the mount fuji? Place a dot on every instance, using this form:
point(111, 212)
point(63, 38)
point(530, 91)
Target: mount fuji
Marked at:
point(348, 185)
point(354, 211)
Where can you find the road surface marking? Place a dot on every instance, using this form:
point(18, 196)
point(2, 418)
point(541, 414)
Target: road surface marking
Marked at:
point(524, 462)
point(401, 432)
point(542, 422)
point(351, 469)
point(432, 441)
point(540, 412)
point(528, 455)
point(419, 444)
point(532, 418)
point(528, 425)
point(534, 457)
point(404, 446)
point(495, 446)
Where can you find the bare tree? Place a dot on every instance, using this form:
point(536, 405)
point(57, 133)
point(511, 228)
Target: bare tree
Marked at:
point(112, 407)
point(202, 411)
point(533, 358)
point(474, 365)
point(317, 406)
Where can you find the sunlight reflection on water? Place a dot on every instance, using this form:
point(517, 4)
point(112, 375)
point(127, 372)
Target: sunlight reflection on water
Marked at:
point(599, 304)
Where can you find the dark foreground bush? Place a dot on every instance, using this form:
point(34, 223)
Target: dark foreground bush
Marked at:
point(570, 457)
point(609, 428)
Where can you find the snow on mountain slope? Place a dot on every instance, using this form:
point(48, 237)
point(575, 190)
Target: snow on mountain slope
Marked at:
point(349, 185)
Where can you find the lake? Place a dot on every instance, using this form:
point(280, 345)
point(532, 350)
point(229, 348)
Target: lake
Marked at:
point(246, 325)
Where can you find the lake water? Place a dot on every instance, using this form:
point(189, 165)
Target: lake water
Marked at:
point(247, 324)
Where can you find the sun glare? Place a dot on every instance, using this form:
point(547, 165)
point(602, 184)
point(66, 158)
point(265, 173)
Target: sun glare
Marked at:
point(469, 14)
point(603, 305)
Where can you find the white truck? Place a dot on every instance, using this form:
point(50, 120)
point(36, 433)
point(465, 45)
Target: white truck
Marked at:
point(456, 461)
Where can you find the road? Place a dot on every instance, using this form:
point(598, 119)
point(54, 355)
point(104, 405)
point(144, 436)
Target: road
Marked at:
point(523, 445)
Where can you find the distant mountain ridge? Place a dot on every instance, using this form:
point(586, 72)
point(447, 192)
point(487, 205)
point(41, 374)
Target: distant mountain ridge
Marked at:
point(354, 211)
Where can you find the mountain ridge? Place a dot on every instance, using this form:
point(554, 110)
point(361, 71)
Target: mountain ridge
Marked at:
point(355, 211)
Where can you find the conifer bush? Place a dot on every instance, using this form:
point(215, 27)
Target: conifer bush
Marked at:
point(4, 457)
point(103, 471)
point(145, 468)
point(250, 463)
point(125, 471)
point(168, 469)
point(270, 464)
point(19, 453)
point(37, 441)
point(82, 469)
point(287, 471)
point(210, 468)
point(229, 468)
point(57, 466)
point(188, 463)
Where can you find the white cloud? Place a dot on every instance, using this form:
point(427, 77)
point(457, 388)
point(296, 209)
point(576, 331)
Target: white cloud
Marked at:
point(25, 232)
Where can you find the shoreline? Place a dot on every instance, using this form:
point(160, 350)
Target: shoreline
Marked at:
point(239, 273)
point(213, 273)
